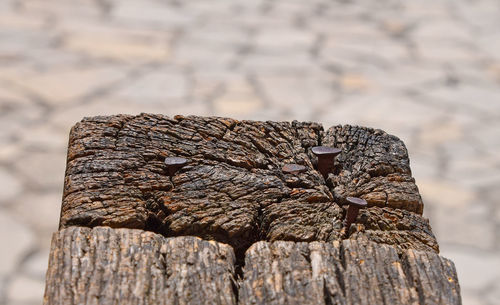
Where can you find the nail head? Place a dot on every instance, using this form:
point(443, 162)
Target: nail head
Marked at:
point(325, 151)
point(358, 202)
point(174, 163)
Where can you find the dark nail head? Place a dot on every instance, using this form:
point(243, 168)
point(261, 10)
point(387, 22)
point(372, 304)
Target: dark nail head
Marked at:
point(325, 151)
point(174, 163)
point(293, 168)
point(358, 202)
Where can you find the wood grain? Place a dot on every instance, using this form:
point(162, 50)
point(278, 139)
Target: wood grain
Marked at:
point(231, 227)
point(347, 272)
point(233, 189)
point(127, 266)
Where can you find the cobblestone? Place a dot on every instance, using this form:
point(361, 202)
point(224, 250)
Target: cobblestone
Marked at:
point(10, 186)
point(17, 240)
point(36, 264)
point(237, 98)
point(42, 170)
point(47, 205)
point(426, 71)
point(109, 46)
point(25, 290)
point(476, 269)
point(157, 85)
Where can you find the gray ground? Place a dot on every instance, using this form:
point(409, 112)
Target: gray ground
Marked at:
point(426, 71)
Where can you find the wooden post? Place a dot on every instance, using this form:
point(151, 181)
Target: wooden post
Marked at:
point(230, 227)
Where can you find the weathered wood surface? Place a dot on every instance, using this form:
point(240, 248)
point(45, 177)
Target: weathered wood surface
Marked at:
point(233, 189)
point(127, 266)
point(347, 272)
point(267, 237)
point(373, 165)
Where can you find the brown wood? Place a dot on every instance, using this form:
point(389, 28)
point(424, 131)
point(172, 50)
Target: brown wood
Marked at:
point(347, 272)
point(127, 266)
point(233, 189)
point(234, 193)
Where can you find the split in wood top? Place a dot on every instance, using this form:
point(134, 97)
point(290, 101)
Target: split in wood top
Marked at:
point(236, 186)
point(127, 266)
point(241, 212)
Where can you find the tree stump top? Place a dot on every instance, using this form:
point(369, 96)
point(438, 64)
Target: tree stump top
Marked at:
point(233, 188)
point(270, 226)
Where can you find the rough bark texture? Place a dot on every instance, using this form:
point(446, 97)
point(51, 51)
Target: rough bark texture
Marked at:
point(126, 266)
point(347, 272)
point(284, 234)
point(395, 227)
point(373, 165)
point(233, 189)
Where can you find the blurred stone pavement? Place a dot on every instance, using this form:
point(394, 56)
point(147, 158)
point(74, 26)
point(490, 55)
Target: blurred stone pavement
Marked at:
point(425, 71)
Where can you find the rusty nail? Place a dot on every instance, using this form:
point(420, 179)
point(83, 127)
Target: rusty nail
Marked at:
point(352, 211)
point(174, 164)
point(293, 168)
point(326, 158)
